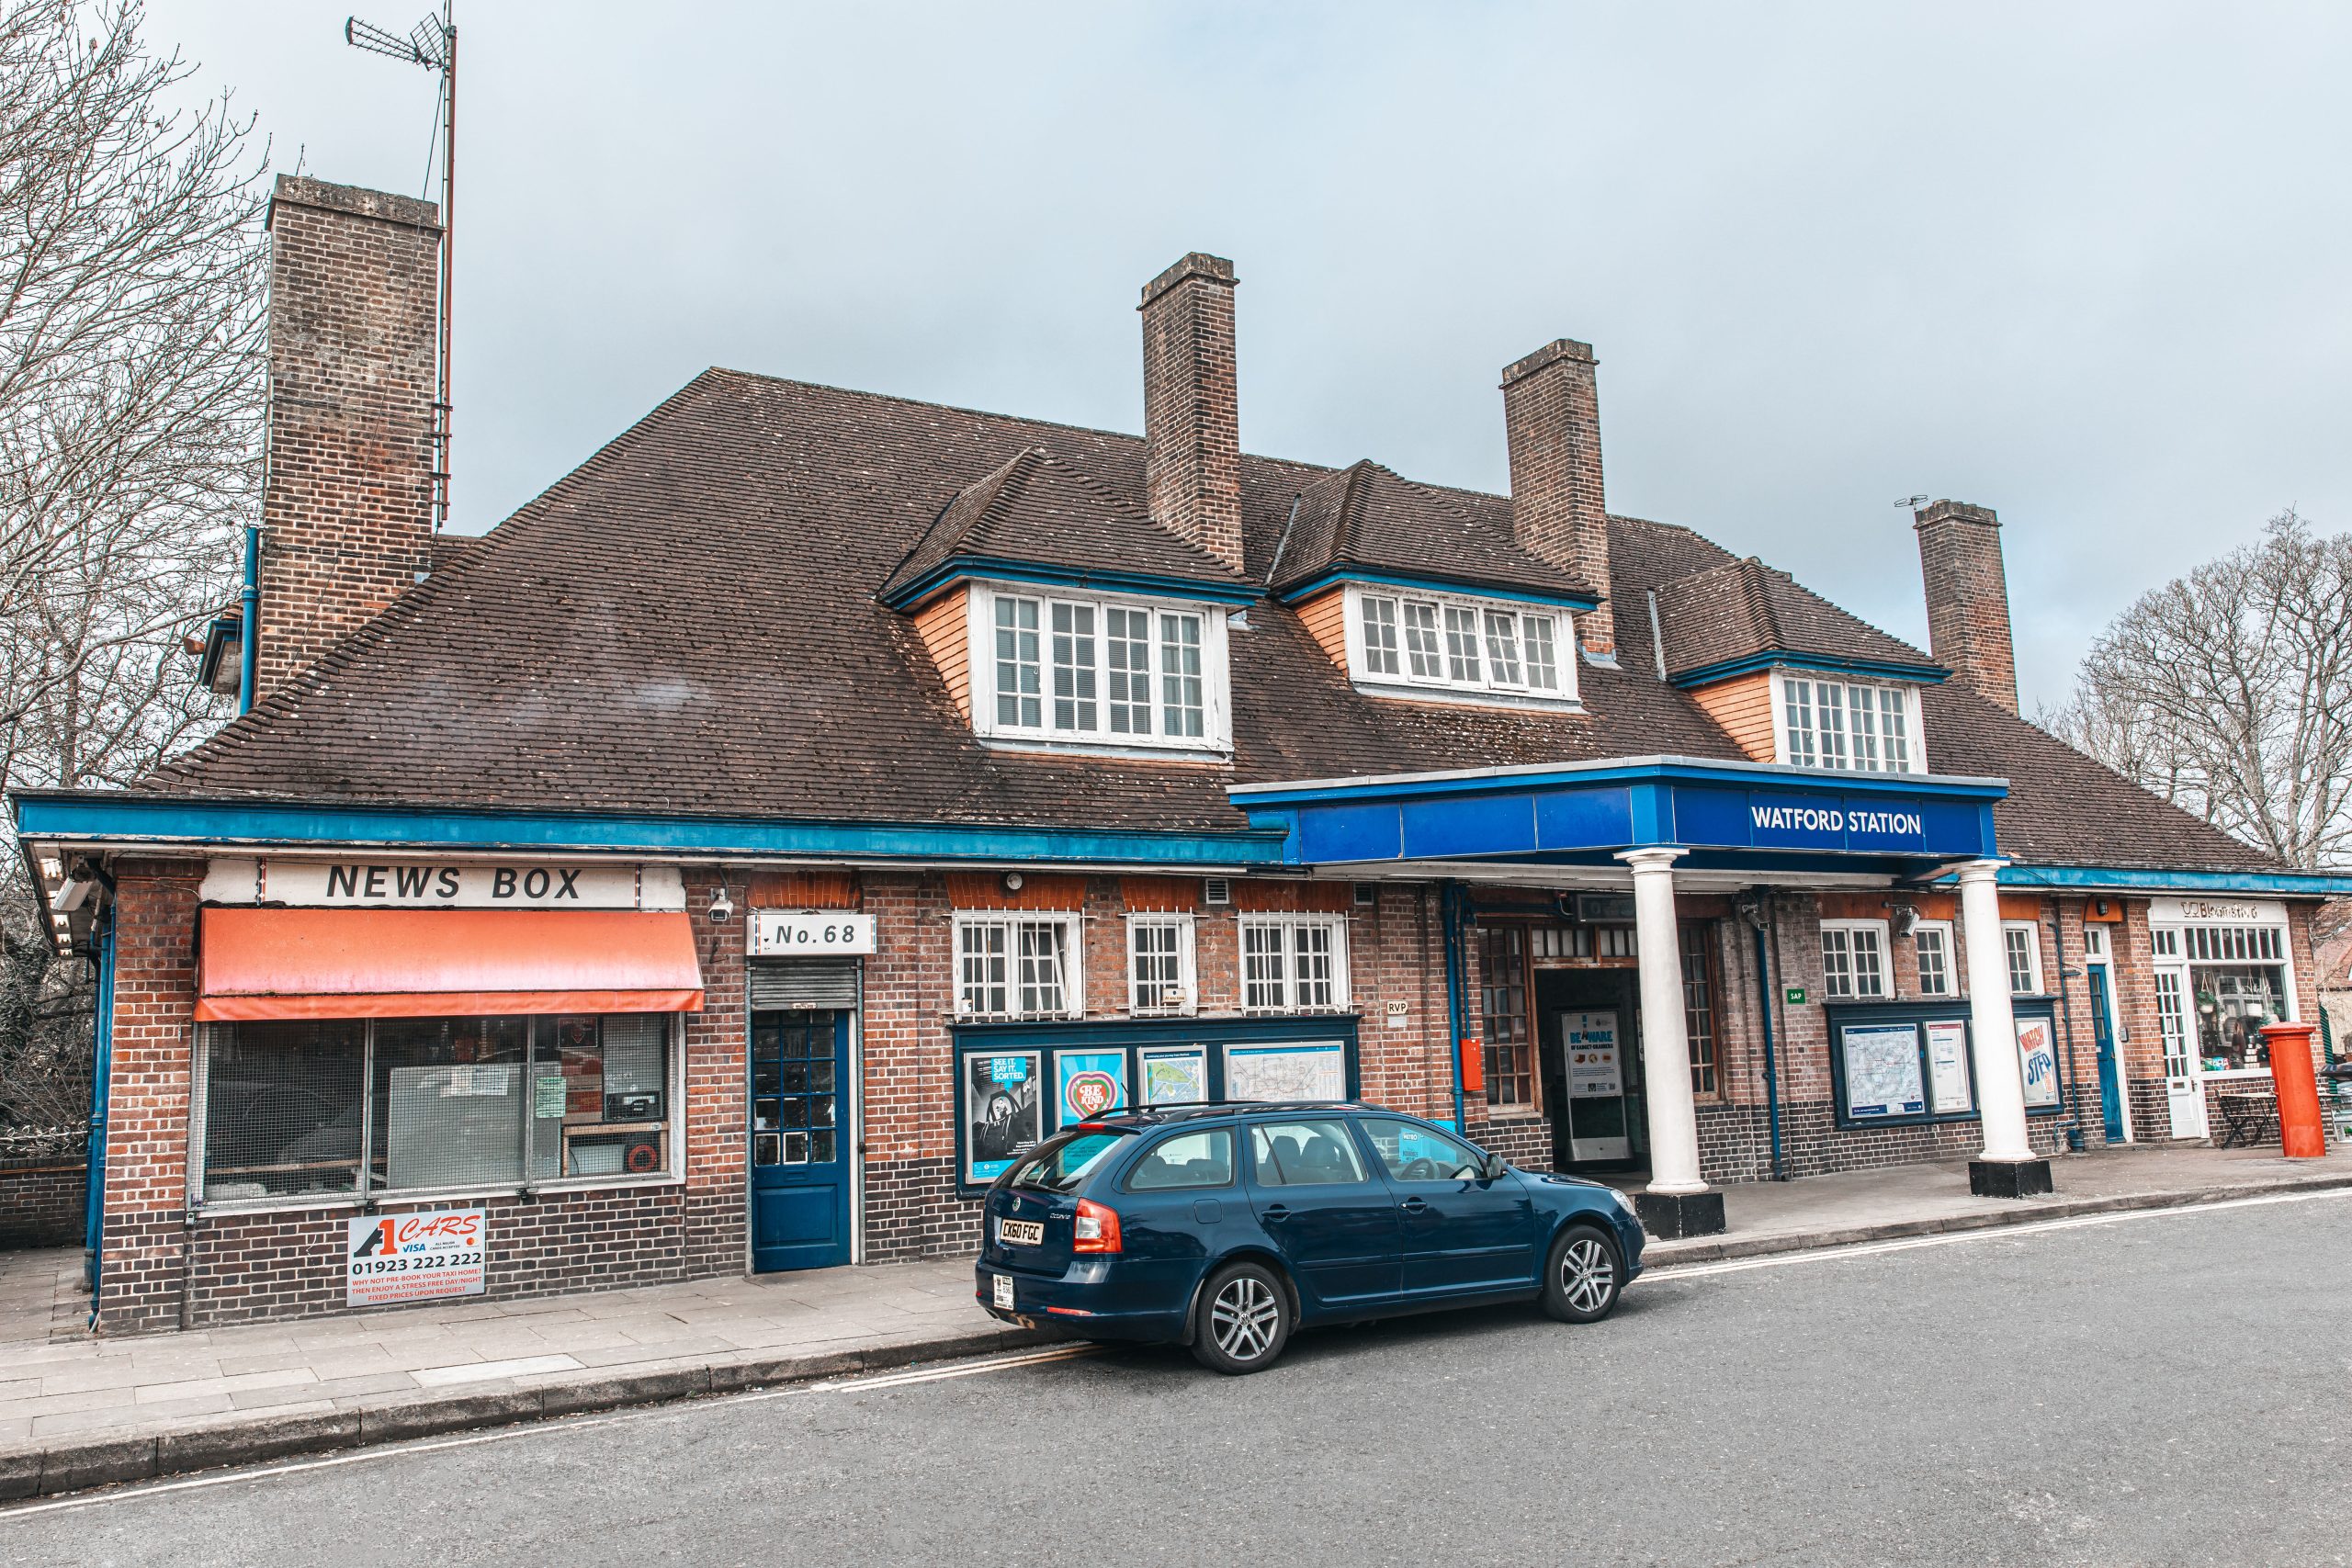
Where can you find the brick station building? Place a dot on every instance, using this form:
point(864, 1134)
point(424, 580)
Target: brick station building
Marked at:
point(735, 858)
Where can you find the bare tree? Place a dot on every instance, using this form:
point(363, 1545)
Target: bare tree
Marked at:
point(131, 389)
point(2228, 692)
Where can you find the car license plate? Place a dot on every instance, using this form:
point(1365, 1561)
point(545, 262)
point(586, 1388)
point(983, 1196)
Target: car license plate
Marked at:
point(1020, 1232)
point(1004, 1291)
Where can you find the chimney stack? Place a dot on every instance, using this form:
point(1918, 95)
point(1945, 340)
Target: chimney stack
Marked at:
point(1552, 416)
point(1968, 597)
point(348, 512)
point(1192, 412)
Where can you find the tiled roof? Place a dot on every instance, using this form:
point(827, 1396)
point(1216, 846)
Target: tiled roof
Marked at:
point(1037, 512)
point(1366, 517)
point(687, 625)
point(1741, 609)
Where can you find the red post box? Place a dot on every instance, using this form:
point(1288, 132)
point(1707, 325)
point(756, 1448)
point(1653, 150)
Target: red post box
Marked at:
point(2300, 1133)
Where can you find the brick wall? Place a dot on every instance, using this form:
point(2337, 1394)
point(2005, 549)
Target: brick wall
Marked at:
point(41, 1203)
point(1191, 410)
point(1968, 597)
point(1558, 511)
point(346, 518)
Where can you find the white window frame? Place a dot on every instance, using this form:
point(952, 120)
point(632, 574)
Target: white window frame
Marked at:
point(1288, 999)
point(2173, 948)
point(1488, 618)
point(1073, 966)
point(1785, 751)
point(1217, 705)
point(1877, 931)
point(2031, 930)
point(1188, 976)
point(1943, 930)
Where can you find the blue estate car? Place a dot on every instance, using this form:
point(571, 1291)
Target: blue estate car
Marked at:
point(1223, 1227)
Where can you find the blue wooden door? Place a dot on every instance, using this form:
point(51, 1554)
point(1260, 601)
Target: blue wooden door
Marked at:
point(799, 1139)
point(2111, 1078)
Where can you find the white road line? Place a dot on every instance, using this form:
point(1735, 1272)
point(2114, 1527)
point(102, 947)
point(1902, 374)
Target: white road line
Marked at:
point(537, 1428)
point(1666, 1273)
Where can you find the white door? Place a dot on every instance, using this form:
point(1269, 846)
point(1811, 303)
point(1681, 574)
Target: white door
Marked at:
point(2184, 1094)
point(1594, 1055)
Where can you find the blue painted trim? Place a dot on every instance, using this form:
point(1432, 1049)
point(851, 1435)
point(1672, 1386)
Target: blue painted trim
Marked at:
point(1765, 998)
point(1921, 1010)
point(1925, 674)
point(990, 568)
point(155, 819)
point(93, 1197)
point(248, 609)
point(1676, 770)
point(1433, 582)
point(2142, 879)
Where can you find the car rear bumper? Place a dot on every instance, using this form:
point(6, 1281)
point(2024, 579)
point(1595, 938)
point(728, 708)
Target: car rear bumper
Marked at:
point(1087, 1301)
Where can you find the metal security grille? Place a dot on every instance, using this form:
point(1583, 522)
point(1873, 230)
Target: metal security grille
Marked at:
point(780, 983)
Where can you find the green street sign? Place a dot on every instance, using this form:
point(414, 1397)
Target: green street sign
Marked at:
point(1795, 995)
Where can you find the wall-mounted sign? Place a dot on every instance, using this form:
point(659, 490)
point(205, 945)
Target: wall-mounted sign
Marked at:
point(775, 933)
point(1883, 1071)
point(1948, 1066)
point(414, 1257)
point(1794, 995)
point(2038, 1061)
point(1589, 1040)
point(467, 885)
point(2224, 911)
point(1396, 1014)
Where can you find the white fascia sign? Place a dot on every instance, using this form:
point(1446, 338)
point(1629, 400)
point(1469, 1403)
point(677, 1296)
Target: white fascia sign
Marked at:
point(778, 933)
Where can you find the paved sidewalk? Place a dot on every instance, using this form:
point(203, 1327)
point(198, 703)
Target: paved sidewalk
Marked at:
point(79, 1411)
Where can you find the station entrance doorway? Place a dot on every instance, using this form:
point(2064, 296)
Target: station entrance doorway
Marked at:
point(1589, 1040)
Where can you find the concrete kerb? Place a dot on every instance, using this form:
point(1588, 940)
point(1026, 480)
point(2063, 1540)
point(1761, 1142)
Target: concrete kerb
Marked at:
point(1665, 1254)
point(79, 1464)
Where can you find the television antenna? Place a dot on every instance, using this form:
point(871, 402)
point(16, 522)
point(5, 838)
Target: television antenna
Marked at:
point(432, 43)
point(1912, 502)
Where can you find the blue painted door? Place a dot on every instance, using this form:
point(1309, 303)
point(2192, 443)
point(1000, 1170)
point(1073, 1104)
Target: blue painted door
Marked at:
point(2111, 1078)
point(799, 1139)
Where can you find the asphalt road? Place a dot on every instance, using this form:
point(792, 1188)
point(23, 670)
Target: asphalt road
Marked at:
point(2167, 1389)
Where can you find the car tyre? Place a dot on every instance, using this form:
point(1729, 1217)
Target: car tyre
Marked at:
point(1584, 1276)
point(1243, 1320)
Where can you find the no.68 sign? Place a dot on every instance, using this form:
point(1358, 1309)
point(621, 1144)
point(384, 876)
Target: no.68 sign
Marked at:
point(776, 934)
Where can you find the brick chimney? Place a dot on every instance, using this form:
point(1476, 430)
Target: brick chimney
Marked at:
point(348, 512)
point(1191, 410)
point(1968, 597)
point(1552, 416)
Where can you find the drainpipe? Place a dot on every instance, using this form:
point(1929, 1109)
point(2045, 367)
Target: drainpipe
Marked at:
point(248, 606)
point(1454, 992)
point(94, 1201)
point(1772, 1063)
point(2067, 1019)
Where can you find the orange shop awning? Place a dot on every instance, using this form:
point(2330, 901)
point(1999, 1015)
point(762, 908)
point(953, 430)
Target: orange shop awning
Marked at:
point(256, 963)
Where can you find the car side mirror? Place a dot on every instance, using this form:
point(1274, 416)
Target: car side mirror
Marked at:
point(1495, 1167)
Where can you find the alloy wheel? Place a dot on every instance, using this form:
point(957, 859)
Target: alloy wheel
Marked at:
point(1587, 1274)
point(1243, 1317)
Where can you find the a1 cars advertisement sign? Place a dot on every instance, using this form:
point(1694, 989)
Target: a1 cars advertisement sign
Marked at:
point(414, 1257)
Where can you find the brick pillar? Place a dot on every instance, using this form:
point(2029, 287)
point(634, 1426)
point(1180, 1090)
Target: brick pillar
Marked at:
point(347, 513)
point(1191, 410)
point(1551, 417)
point(1968, 597)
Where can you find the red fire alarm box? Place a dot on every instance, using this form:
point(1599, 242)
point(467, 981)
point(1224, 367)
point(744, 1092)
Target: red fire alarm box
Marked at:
point(1474, 1065)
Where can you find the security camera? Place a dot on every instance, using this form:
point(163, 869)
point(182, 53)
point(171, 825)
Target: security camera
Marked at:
point(722, 908)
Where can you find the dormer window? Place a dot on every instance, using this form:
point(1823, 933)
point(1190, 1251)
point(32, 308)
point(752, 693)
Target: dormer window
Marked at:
point(1410, 644)
point(1855, 725)
point(1098, 671)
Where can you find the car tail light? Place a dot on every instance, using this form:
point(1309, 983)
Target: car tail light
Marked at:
point(1097, 1229)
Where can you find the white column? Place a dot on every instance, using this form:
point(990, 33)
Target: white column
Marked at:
point(1665, 1044)
point(1993, 1025)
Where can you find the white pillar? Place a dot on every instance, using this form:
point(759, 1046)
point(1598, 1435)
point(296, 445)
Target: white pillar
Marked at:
point(1665, 1044)
point(1993, 1025)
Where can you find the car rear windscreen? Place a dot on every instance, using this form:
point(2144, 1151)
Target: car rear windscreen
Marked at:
point(1061, 1161)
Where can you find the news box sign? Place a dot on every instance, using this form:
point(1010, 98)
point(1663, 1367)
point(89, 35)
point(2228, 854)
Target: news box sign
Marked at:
point(390, 1259)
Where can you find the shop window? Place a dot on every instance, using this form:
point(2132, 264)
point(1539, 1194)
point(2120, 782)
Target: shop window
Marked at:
point(1932, 939)
point(2233, 980)
point(1503, 1018)
point(1467, 644)
point(1016, 966)
point(1699, 1008)
point(1853, 960)
point(1160, 965)
point(1098, 671)
point(394, 1105)
point(1293, 964)
point(1846, 725)
point(2021, 945)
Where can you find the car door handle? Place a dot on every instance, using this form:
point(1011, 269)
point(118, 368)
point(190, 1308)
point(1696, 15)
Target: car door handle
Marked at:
point(1276, 1214)
point(1415, 1205)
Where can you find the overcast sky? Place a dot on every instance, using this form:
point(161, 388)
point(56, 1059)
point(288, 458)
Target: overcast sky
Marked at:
point(2084, 265)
